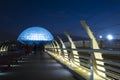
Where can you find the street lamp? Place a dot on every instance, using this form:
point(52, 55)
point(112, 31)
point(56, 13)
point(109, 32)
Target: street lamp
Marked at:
point(109, 37)
point(101, 41)
point(100, 36)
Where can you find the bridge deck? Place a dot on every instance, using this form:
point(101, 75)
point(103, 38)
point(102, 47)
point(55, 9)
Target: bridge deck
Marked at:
point(36, 67)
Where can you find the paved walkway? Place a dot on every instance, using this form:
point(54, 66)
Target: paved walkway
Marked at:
point(37, 67)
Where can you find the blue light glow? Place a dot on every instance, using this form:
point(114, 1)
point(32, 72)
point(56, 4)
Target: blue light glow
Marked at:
point(35, 34)
point(110, 37)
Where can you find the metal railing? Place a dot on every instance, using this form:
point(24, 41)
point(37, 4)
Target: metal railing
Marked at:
point(87, 61)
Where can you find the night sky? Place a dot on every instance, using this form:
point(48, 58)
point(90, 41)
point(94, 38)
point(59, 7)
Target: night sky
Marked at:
point(103, 16)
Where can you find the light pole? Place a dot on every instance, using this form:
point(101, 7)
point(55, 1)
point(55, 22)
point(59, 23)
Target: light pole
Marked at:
point(110, 38)
point(101, 41)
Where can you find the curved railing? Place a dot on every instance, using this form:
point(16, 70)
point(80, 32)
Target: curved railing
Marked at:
point(87, 62)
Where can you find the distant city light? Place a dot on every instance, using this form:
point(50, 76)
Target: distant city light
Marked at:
point(100, 36)
point(109, 37)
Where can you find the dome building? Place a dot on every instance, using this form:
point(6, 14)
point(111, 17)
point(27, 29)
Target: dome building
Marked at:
point(35, 35)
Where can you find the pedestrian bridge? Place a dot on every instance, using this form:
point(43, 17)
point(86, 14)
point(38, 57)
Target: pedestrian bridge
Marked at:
point(87, 60)
point(84, 59)
point(84, 63)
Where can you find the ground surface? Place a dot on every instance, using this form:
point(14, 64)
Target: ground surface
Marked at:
point(37, 67)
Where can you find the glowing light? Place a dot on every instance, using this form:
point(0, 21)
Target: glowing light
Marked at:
point(100, 36)
point(84, 70)
point(36, 34)
point(109, 37)
point(80, 68)
point(97, 55)
point(89, 73)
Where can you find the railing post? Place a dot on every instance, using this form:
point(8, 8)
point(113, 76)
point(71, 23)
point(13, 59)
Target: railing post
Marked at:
point(91, 67)
point(58, 48)
point(53, 47)
point(95, 45)
point(73, 46)
point(70, 60)
point(92, 73)
point(63, 47)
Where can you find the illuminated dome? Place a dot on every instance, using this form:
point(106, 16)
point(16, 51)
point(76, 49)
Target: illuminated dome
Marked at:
point(36, 35)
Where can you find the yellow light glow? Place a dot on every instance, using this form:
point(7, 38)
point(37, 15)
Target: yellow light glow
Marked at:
point(89, 73)
point(80, 68)
point(74, 66)
point(77, 60)
point(84, 70)
point(95, 46)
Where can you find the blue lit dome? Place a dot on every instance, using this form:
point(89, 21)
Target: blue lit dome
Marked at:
point(36, 35)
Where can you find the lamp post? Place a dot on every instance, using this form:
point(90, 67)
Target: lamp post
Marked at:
point(101, 41)
point(110, 38)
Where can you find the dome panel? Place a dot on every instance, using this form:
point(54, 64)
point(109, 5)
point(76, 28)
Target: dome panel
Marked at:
point(35, 34)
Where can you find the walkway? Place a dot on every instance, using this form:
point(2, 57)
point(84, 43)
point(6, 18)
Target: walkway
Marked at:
point(37, 67)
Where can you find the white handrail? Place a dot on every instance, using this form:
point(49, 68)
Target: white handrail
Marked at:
point(87, 62)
